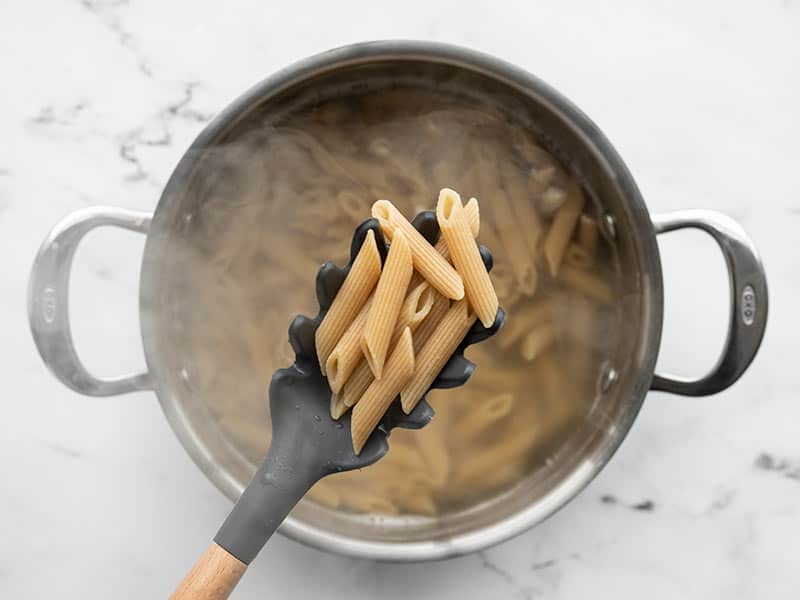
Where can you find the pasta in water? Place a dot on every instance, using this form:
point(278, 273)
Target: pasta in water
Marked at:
point(285, 195)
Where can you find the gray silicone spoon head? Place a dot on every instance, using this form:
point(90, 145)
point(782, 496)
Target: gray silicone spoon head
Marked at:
point(307, 444)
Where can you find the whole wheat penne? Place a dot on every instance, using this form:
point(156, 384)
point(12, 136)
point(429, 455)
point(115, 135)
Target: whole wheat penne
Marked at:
point(338, 407)
point(437, 351)
point(522, 263)
point(466, 256)
point(560, 232)
point(381, 392)
point(472, 212)
point(438, 309)
point(537, 340)
point(577, 256)
point(586, 283)
point(588, 235)
point(483, 417)
point(522, 321)
point(357, 384)
point(406, 457)
point(507, 452)
point(434, 454)
point(367, 502)
point(389, 295)
point(415, 310)
point(355, 290)
point(436, 270)
point(347, 353)
point(522, 205)
point(414, 500)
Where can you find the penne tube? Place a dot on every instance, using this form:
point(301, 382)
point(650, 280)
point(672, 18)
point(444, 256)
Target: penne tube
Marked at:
point(522, 205)
point(521, 322)
point(435, 269)
point(436, 352)
point(434, 454)
point(588, 235)
point(576, 256)
point(439, 307)
point(355, 290)
point(366, 502)
point(466, 257)
point(588, 284)
point(357, 384)
point(344, 358)
point(551, 200)
point(338, 407)
point(560, 232)
point(389, 295)
point(412, 499)
point(493, 458)
point(381, 393)
point(537, 341)
point(415, 311)
point(350, 204)
point(473, 218)
point(511, 236)
point(483, 417)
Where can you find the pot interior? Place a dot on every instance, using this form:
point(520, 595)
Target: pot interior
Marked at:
point(276, 187)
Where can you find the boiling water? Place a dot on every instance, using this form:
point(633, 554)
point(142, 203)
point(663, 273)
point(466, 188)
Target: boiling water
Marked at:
point(285, 195)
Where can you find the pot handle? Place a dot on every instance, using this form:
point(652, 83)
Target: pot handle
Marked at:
point(48, 295)
point(748, 286)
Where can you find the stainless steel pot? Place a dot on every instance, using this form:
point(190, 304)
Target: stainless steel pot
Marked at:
point(623, 389)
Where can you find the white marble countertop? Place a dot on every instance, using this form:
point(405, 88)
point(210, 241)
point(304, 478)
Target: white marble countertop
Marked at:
point(101, 97)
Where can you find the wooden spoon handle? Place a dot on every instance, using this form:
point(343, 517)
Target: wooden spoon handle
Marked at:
point(212, 577)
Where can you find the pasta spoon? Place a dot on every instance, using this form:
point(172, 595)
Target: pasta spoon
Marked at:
point(307, 444)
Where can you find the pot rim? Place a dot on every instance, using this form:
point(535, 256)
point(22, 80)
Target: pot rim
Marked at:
point(652, 301)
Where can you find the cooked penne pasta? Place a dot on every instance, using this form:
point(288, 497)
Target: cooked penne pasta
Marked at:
point(577, 256)
point(524, 210)
point(522, 263)
point(338, 407)
point(379, 395)
point(357, 384)
point(551, 200)
point(412, 499)
point(560, 232)
point(351, 205)
point(586, 283)
point(537, 340)
point(436, 352)
point(416, 307)
point(436, 270)
point(346, 355)
point(366, 502)
point(433, 449)
point(438, 309)
point(473, 218)
point(355, 290)
point(484, 417)
point(481, 464)
point(466, 256)
point(588, 235)
point(389, 295)
point(522, 321)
